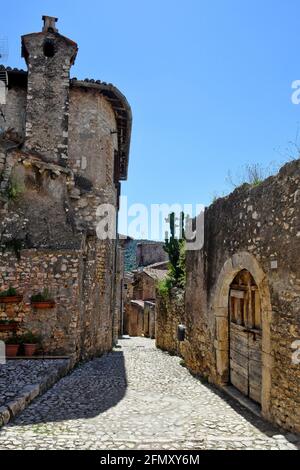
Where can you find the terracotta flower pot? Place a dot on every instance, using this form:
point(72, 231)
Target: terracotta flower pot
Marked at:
point(44, 304)
point(16, 299)
point(11, 350)
point(29, 349)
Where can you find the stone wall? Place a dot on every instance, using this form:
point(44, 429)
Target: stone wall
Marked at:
point(97, 300)
point(257, 229)
point(149, 320)
point(80, 324)
point(144, 287)
point(14, 110)
point(170, 314)
point(30, 274)
point(134, 318)
point(92, 122)
point(150, 253)
point(119, 295)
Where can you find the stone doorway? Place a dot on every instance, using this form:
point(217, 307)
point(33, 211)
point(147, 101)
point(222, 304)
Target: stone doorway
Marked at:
point(239, 262)
point(245, 336)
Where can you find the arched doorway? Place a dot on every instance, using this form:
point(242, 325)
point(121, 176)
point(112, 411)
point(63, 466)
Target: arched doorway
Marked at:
point(239, 262)
point(245, 336)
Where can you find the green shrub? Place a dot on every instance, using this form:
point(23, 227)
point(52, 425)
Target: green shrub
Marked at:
point(176, 249)
point(10, 292)
point(42, 296)
point(13, 340)
point(164, 286)
point(30, 338)
point(252, 174)
point(15, 189)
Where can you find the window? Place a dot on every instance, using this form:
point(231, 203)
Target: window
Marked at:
point(49, 48)
point(245, 308)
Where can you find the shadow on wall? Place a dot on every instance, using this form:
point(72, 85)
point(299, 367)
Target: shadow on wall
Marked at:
point(90, 390)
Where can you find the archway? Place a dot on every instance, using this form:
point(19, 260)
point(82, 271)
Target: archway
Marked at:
point(238, 263)
point(245, 336)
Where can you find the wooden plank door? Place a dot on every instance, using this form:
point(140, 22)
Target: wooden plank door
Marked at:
point(239, 358)
point(255, 366)
point(245, 336)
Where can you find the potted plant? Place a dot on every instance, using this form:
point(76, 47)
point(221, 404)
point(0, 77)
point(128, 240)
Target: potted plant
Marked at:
point(12, 345)
point(10, 296)
point(43, 300)
point(8, 325)
point(30, 342)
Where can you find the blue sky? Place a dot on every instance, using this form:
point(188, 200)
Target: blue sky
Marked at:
point(209, 82)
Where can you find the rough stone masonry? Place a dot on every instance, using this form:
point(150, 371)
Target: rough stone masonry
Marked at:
point(242, 299)
point(64, 147)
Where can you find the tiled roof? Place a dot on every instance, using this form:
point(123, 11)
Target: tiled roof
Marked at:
point(161, 265)
point(157, 274)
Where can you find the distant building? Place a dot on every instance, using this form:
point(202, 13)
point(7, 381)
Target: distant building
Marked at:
point(149, 253)
point(139, 312)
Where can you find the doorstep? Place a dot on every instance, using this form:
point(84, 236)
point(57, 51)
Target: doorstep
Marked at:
point(246, 402)
point(11, 408)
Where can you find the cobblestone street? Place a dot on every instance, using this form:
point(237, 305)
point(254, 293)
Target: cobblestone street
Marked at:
point(137, 397)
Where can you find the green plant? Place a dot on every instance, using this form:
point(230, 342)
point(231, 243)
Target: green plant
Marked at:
point(164, 286)
point(13, 340)
point(15, 187)
point(175, 247)
point(43, 296)
point(15, 190)
point(30, 338)
point(252, 174)
point(7, 322)
point(181, 264)
point(217, 195)
point(10, 292)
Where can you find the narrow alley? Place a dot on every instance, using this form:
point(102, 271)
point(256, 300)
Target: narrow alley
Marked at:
point(137, 397)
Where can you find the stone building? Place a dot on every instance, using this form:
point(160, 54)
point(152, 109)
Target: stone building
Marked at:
point(134, 318)
point(242, 297)
point(145, 281)
point(149, 253)
point(64, 148)
point(139, 311)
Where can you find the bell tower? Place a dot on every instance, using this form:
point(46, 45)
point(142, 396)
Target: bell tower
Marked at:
point(49, 57)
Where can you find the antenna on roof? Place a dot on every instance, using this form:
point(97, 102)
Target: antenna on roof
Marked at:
point(3, 72)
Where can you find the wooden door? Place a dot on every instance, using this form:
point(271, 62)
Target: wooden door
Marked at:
point(245, 336)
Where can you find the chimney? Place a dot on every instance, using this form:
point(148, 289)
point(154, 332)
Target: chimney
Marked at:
point(50, 24)
point(49, 57)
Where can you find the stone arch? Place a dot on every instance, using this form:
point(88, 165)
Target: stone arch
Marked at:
point(231, 268)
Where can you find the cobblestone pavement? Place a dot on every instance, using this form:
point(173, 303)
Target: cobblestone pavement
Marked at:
point(137, 397)
point(17, 374)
